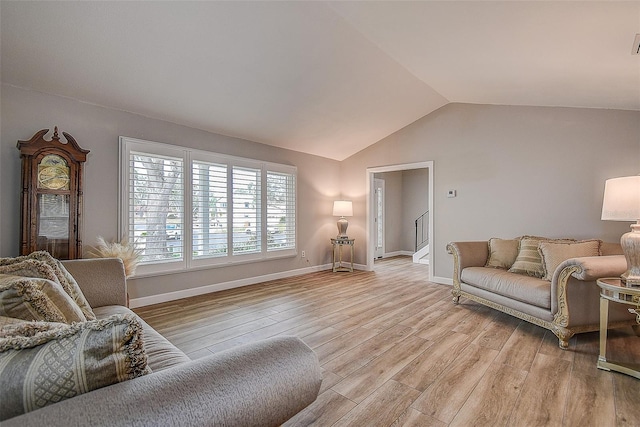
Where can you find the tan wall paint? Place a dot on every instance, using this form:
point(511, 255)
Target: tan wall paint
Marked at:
point(393, 203)
point(517, 170)
point(97, 129)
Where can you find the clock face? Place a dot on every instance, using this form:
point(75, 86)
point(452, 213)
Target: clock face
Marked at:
point(53, 173)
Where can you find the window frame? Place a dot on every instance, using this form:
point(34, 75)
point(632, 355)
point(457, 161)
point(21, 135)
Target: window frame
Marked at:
point(190, 155)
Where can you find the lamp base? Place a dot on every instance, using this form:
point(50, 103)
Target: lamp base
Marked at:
point(631, 247)
point(342, 228)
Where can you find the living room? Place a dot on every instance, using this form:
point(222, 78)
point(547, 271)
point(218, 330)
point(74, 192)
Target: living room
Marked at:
point(522, 121)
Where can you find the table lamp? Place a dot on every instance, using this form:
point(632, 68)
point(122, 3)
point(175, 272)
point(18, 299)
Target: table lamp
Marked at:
point(342, 208)
point(622, 203)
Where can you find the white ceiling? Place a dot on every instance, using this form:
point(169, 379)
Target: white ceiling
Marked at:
point(326, 78)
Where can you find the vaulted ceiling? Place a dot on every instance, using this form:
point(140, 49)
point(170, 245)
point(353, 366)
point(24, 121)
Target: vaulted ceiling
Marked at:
point(326, 78)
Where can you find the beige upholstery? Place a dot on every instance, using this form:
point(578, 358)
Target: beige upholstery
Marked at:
point(259, 384)
point(566, 305)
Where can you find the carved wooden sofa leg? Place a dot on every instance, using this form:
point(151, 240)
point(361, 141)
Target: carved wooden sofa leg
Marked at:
point(564, 335)
point(456, 296)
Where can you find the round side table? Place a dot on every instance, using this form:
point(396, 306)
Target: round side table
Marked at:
point(613, 289)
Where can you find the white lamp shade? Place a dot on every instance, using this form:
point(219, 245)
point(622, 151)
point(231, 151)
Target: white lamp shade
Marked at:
point(342, 208)
point(621, 199)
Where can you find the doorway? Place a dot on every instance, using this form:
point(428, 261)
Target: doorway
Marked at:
point(378, 217)
point(373, 220)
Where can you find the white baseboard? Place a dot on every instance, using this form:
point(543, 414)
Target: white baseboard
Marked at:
point(442, 280)
point(201, 290)
point(397, 253)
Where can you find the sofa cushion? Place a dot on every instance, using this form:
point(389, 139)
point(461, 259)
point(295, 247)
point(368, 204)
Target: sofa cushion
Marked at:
point(554, 253)
point(56, 269)
point(160, 352)
point(529, 260)
point(502, 253)
point(519, 287)
point(67, 360)
point(30, 298)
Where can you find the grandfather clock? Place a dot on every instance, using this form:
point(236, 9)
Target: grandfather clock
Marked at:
point(51, 195)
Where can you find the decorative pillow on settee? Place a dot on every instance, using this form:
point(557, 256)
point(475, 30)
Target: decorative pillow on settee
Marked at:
point(529, 260)
point(41, 363)
point(30, 298)
point(41, 264)
point(502, 253)
point(555, 253)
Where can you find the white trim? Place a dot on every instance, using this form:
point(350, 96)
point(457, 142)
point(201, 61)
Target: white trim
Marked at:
point(397, 253)
point(201, 290)
point(441, 280)
point(370, 249)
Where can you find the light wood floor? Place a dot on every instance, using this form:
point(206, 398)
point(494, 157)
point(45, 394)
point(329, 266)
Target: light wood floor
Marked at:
point(396, 352)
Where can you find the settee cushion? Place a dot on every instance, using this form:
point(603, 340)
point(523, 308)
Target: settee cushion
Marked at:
point(519, 287)
point(161, 354)
point(502, 253)
point(554, 253)
point(42, 264)
point(30, 298)
point(44, 365)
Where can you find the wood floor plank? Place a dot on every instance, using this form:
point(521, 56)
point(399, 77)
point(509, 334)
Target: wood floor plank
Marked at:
point(445, 396)
point(544, 394)
point(414, 418)
point(522, 346)
point(428, 366)
point(492, 400)
point(382, 407)
point(384, 336)
point(587, 400)
point(328, 408)
point(367, 379)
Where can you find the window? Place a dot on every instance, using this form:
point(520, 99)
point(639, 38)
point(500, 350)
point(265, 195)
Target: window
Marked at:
point(184, 208)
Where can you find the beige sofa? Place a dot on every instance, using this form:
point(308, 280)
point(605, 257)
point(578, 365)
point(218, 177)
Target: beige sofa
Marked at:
point(260, 384)
point(566, 304)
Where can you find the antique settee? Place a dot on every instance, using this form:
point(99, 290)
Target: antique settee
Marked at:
point(550, 283)
point(259, 384)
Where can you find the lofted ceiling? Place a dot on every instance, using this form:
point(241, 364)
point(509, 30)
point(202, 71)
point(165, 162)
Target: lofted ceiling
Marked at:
point(325, 78)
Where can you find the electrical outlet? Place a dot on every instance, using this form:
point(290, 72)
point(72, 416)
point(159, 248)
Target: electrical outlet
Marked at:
point(303, 254)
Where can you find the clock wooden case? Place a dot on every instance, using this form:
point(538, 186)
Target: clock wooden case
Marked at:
point(51, 217)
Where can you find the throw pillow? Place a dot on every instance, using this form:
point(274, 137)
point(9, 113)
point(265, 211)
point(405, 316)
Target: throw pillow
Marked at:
point(31, 298)
point(502, 253)
point(63, 277)
point(57, 364)
point(529, 260)
point(555, 253)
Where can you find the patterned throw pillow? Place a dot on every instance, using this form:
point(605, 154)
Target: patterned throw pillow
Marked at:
point(68, 360)
point(529, 260)
point(502, 253)
point(555, 253)
point(62, 276)
point(31, 298)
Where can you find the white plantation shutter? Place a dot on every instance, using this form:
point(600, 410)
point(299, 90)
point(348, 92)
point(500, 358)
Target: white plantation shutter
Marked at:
point(187, 209)
point(281, 211)
point(156, 206)
point(209, 200)
point(247, 227)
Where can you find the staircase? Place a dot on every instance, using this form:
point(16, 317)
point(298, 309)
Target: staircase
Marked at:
point(421, 257)
point(422, 239)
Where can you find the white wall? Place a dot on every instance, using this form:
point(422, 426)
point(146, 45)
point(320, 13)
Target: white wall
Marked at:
point(517, 170)
point(97, 129)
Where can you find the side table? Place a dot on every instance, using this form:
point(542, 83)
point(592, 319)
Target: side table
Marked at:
point(338, 244)
point(612, 289)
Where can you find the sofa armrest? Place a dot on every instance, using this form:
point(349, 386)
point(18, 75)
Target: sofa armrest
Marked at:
point(573, 286)
point(469, 254)
point(259, 384)
point(102, 280)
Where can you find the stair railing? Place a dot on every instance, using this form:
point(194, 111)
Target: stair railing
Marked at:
point(422, 231)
